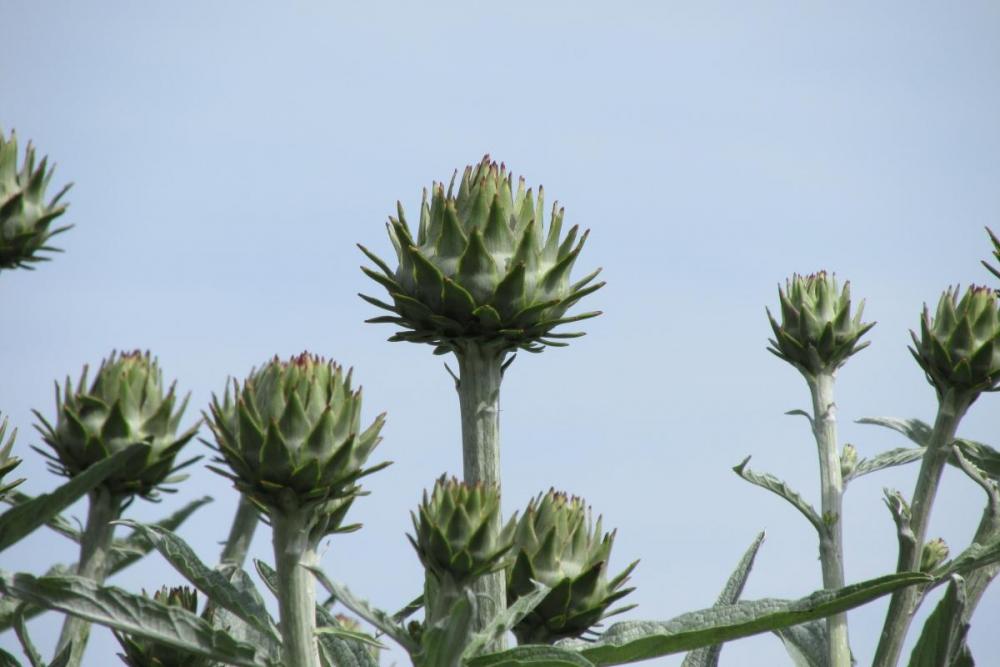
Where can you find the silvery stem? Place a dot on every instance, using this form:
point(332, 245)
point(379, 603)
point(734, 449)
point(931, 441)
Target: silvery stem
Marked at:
point(293, 553)
point(234, 553)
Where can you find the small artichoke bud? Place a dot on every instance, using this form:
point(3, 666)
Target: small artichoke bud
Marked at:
point(126, 404)
point(959, 348)
point(7, 461)
point(556, 544)
point(142, 652)
point(454, 533)
point(817, 333)
point(848, 461)
point(25, 217)
point(933, 554)
point(291, 436)
point(482, 267)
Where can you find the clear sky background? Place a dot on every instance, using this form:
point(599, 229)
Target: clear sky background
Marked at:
point(227, 156)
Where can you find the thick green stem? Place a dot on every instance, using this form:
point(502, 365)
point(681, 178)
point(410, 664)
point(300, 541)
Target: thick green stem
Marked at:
point(831, 539)
point(293, 553)
point(904, 603)
point(479, 396)
point(95, 549)
point(234, 553)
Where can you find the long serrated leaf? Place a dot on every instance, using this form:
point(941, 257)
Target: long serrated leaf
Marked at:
point(776, 486)
point(238, 628)
point(132, 614)
point(378, 618)
point(58, 522)
point(339, 651)
point(533, 656)
point(134, 546)
point(893, 457)
point(211, 582)
point(916, 430)
point(23, 519)
point(806, 643)
point(709, 655)
point(503, 623)
point(942, 640)
point(21, 630)
point(630, 641)
point(974, 557)
point(7, 660)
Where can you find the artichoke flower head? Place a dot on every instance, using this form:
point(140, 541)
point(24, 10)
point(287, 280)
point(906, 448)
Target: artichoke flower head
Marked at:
point(124, 405)
point(482, 267)
point(25, 216)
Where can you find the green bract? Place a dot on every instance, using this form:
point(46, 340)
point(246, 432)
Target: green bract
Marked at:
point(996, 253)
point(556, 544)
point(124, 405)
point(959, 349)
point(291, 434)
point(141, 652)
point(817, 332)
point(482, 267)
point(25, 217)
point(7, 462)
point(453, 534)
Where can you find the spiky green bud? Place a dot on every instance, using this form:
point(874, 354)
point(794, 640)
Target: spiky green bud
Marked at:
point(124, 405)
point(848, 461)
point(959, 348)
point(482, 267)
point(453, 531)
point(7, 461)
point(25, 216)
point(933, 554)
point(142, 652)
point(557, 544)
point(291, 436)
point(817, 333)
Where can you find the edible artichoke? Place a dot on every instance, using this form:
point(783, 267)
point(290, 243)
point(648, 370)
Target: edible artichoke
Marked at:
point(124, 405)
point(142, 652)
point(959, 349)
point(482, 267)
point(25, 217)
point(7, 462)
point(817, 332)
point(291, 435)
point(453, 534)
point(556, 544)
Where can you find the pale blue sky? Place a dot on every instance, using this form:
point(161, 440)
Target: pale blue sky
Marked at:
point(227, 156)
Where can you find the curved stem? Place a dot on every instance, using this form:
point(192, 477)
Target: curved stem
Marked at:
point(904, 603)
point(831, 540)
point(480, 375)
point(293, 552)
point(95, 549)
point(234, 553)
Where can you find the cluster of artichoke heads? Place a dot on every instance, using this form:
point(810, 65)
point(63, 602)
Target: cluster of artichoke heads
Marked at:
point(125, 404)
point(142, 652)
point(25, 215)
point(554, 543)
point(482, 267)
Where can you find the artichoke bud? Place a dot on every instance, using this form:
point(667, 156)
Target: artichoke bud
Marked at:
point(291, 436)
point(817, 332)
point(455, 532)
point(482, 267)
point(848, 461)
point(124, 405)
point(25, 216)
point(933, 554)
point(557, 544)
point(142, 652)
point(959, 348)
point(7, 461)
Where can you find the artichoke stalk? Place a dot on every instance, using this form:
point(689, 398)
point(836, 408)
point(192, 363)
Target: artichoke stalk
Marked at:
point(817, 335)
point(959, 352)
point(557, 544)
point(291, 437)
point(482, 278)
point(126, 404)
point(25, 217)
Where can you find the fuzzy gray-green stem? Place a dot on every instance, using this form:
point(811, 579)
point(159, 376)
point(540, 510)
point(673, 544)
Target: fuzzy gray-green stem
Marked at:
point(831, 539)
point(293, 553)
point(480, 373)
point(234, 553)
point(95, 548)
point(903, 604)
